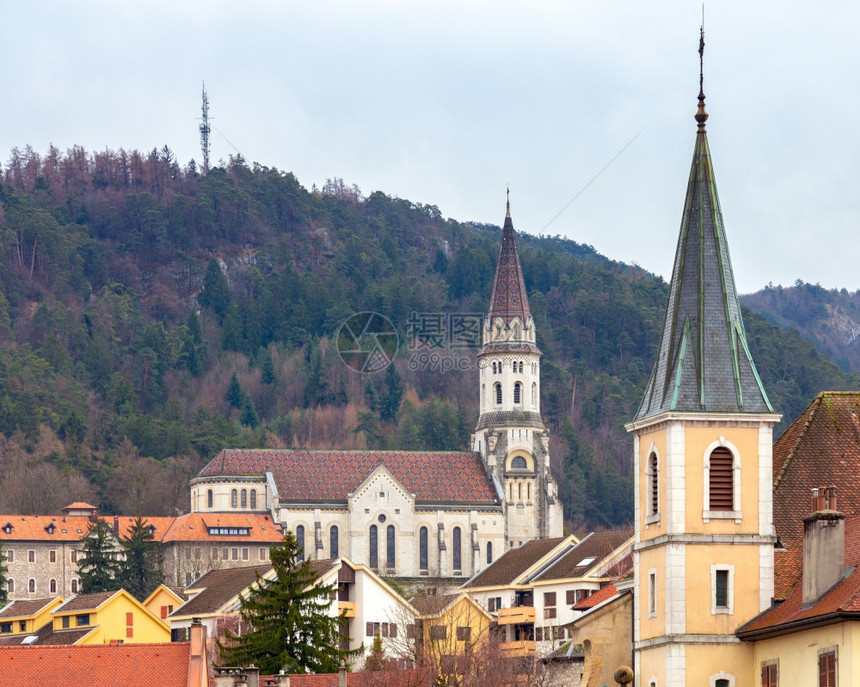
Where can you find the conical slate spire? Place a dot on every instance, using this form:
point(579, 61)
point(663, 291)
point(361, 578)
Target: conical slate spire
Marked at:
point(509, 299)
point(703, 363)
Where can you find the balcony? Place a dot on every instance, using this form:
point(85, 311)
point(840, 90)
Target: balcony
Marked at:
point(346, 608)
point(517, 649)
point(516, 616)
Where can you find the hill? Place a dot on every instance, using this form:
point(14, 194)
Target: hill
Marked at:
point(151, 315)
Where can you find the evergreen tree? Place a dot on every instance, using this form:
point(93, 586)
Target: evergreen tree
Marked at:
point(216, 292)
point(141, 570)
point(376, 659)
point(389, 402)
point(267, 367)
point(4, 581)
point(249, 413)
point(98, 569)
point(292, 628)
point(234, 396)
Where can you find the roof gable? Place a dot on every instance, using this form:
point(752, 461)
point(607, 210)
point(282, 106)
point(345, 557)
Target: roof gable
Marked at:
point(590, 557)
point(515, 564)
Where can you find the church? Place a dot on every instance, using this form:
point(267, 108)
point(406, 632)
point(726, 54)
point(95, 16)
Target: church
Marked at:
point(410, 514)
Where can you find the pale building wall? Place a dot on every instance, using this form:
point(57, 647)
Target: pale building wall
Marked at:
point(63, 570)
point(608, 641)
point(797, 655)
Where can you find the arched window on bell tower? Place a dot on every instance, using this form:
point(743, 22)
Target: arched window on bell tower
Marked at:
point(518, 392)
point(498, 388)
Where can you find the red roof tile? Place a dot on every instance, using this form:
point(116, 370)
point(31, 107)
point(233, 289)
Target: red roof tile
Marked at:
point(313, 476)
point(126, 665)
point(821, 448)
point(598, 597)
point(195, 527)
point(48, 528)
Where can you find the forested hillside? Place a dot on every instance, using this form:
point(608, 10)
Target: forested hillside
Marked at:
point(829, 318)
point(151, 315)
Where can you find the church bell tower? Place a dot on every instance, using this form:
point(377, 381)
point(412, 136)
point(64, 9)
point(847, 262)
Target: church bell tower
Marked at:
point(703, 552)
point(511, 436)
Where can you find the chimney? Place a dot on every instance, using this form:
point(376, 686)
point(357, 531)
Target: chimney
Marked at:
point(198, 663)
point(823, 545)
point(341, 675)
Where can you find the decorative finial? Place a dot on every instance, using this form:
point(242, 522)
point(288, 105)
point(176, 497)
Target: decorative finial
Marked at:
point(508, 202)
point(701, 115)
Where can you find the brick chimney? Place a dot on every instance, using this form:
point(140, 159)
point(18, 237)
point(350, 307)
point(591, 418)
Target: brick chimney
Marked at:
point(198, 662)
point(823, 545)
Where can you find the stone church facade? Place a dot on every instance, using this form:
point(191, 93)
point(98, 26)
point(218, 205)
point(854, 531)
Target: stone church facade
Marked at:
point(413, 514)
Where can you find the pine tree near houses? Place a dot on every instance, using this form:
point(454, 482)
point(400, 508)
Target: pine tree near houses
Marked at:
point(289, 616)
point(98, 569)
point(141, 569)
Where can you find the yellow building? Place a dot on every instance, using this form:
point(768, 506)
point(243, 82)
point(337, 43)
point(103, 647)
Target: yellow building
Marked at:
point(452, 633)
point(105, 618)
point(21, 618)
point(703, 552)
point(164, 600)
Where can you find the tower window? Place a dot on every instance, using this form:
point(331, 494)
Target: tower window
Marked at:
point(494, 368)
point(534, 395)
point(498, 388)
point(722, 589)
point(519, 463)
point(652, 496)
point(489, 552)
point(652, 594)
point(518, 388)
point(721, 480)
point(521, 366)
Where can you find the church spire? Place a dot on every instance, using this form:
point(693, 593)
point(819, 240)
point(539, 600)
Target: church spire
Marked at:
point(703, 362)
point(509, 298)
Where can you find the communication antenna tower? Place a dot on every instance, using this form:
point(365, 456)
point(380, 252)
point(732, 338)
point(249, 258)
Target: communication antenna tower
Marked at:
point(205, 130)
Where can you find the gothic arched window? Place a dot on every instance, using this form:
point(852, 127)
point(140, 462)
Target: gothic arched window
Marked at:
point(244, 498)
point(521, 365)
point(374, 547)
point(234, 499)
point(534, 394)
point(518, 389)
point(456, 549)
point(498, 388)
point(333, 543)
point(300, 538)
point(390, 557)
point(489, 552)
point(422, 549)
point(209, 498)
point(253, 499)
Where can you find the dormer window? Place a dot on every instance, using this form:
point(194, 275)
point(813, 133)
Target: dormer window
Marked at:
point(7, 528)
point(50, 528)
point(151, 529)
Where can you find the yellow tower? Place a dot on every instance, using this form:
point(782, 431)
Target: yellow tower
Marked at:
point(703, 554)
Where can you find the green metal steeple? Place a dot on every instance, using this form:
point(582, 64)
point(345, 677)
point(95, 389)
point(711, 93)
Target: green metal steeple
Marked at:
point(703, 363)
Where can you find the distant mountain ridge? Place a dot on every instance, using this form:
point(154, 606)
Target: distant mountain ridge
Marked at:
point(830, 318)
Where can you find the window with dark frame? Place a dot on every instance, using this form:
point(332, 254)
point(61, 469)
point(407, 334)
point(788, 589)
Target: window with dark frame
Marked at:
point(333, 544)
point(234, 499)
point(374, 547)
point(721, 480)
point(422, 548)
point(498, 388)
point(300, 539)
point(721, 588)
point(209, 498)
point(390, 551)
point(253, 499)
point(464, 634)
point(653, 485)
point(456, 549)
point(489, 552)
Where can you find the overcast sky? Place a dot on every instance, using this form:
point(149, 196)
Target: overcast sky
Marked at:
point(445, 102)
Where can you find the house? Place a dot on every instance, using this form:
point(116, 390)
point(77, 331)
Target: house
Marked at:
point(19, 619)
point(532, 589)
point(369, 606)
point(812, 636)
point(452, 634)
point(163, 600)
point(604, 630)
point(118, 665)
point(400, 513)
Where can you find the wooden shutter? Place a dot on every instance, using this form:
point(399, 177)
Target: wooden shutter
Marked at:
point(655, 485)
point(721, 483)
point(827, 669)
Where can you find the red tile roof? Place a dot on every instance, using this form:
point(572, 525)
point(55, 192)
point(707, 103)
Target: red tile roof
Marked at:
point(39, 528)
point(123, 523)
point(820, 448)
point(313, 476)
point(126, 665)
point(598, 597)
point(514, 563)
point(195, 527)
